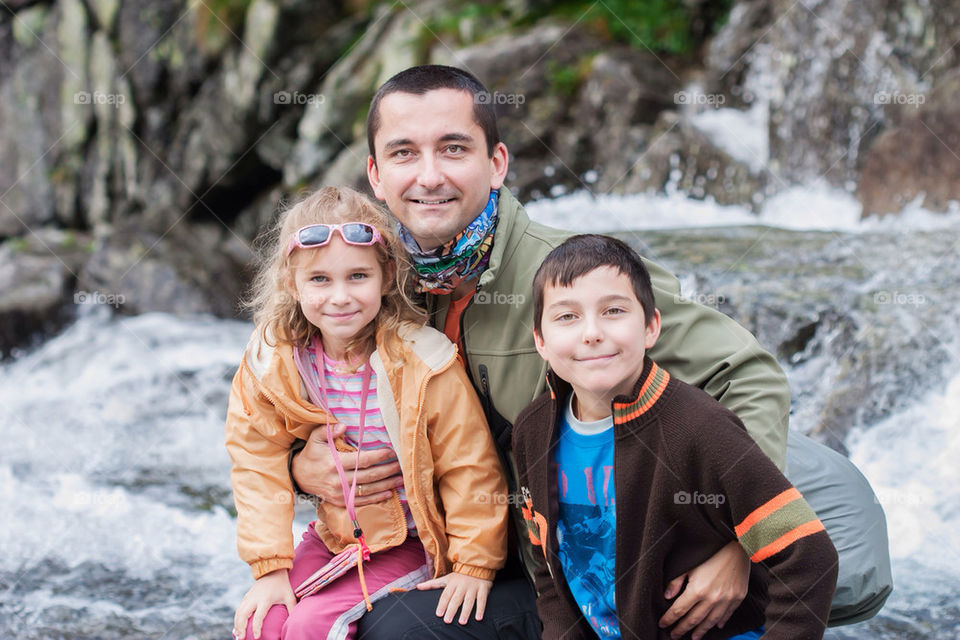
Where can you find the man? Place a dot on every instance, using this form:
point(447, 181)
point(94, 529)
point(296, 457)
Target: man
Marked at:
point(437, 161)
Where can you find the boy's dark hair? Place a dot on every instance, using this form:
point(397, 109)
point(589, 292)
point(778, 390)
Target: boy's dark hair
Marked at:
point(581, 254)
point(428, 77)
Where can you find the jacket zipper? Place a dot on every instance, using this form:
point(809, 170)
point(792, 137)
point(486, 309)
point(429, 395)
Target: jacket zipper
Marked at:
point(413, 447)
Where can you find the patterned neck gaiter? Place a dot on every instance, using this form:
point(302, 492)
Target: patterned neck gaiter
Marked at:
point(441, 270)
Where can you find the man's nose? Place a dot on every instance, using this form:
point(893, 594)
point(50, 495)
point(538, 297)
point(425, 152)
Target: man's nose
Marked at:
point(430, 175)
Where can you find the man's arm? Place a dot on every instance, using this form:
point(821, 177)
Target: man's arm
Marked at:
point(706, 349)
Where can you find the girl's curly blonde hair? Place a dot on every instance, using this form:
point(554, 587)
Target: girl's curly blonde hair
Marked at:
point(276, 311)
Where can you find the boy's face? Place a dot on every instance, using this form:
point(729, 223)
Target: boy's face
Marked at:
point(594, 333)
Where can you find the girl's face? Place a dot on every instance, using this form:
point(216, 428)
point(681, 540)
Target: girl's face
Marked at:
point(339, 287)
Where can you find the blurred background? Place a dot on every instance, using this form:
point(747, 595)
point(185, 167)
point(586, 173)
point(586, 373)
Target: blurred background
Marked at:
point(795, 163)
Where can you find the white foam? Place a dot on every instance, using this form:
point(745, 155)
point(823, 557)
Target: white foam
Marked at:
point(813, 207)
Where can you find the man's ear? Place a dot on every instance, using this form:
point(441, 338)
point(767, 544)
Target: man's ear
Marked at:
point(499, 162)
point(652, 330)
point(373, 176)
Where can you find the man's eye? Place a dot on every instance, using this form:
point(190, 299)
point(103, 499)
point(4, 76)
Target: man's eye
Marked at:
point(402, 153)
point(454, 148)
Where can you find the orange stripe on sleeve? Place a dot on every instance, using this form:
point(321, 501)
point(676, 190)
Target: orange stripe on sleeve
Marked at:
point(787, 539)
point(763, 511)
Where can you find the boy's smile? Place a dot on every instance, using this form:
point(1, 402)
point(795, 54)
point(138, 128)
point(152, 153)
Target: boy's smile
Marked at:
point(594, 335)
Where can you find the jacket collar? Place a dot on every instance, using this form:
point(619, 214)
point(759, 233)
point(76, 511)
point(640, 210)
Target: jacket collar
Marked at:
point(646, 392)
point(512, 220)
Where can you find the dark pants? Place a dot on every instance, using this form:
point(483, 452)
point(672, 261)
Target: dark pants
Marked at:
point(511, 614)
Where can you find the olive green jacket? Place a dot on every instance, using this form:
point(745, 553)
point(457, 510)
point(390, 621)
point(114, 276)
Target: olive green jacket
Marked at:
point(697, 344)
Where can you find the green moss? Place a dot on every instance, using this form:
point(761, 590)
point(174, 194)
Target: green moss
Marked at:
point(218, 20)
point(663, 26)
point(17, 245)
point(566, 79)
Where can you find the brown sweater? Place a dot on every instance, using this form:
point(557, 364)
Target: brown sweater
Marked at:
point(688, 481)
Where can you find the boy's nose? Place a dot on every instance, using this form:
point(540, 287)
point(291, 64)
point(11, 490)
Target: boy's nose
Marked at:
point(592, 331)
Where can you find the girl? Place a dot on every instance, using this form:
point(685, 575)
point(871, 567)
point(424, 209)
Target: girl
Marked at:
point(337, 340)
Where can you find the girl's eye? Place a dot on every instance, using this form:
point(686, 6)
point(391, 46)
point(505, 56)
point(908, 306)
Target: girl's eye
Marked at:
point(360, 275)
point(318, 279)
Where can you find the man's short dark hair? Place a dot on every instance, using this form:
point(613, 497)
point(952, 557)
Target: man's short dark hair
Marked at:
point(429, 77)
point(581, 254)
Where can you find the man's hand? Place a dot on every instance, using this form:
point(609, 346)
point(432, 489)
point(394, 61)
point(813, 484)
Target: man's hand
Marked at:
point(459, 589)
point(714, 591)
point(315, 473)
point(270, 589)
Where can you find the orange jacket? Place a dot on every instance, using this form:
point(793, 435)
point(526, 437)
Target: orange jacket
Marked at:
point(453, 479)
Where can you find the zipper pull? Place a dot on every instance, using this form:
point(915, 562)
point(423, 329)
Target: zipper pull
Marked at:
point(484, 380)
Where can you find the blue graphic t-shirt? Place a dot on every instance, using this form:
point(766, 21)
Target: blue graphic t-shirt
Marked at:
point(586, 529)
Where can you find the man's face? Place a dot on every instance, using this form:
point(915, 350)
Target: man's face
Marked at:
point(594, 333)
point(432, 167)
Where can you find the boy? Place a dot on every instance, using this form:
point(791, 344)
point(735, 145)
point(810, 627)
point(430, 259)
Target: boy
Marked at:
point(643, 476)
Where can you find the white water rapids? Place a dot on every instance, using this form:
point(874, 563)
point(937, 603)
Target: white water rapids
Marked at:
point(114, 478)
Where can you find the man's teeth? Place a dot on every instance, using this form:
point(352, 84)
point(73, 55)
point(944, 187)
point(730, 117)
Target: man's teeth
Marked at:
point(434, 201)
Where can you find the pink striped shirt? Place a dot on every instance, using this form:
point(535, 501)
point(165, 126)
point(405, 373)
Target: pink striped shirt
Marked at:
point(344, 395)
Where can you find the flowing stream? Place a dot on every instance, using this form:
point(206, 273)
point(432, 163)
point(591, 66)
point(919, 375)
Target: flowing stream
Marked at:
point(115, 482)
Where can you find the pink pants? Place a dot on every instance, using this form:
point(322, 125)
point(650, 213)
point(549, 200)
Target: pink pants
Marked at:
point(333, 611)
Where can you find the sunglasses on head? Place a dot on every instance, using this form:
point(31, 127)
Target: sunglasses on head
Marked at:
point(317, 235)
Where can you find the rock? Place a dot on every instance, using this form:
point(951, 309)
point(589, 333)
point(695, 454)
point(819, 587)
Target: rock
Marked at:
point(918, 158)
point(335, 113)
point(189, 269)
point(830, 74)
point(678, 157)
point(37, 274)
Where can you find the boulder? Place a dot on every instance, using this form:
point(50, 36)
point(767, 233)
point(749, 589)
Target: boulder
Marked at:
point(37, 275)
point(917, 158)
point(187, 269)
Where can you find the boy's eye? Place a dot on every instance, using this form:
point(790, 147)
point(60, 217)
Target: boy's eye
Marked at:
point(616, 310)
point(565, 317)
